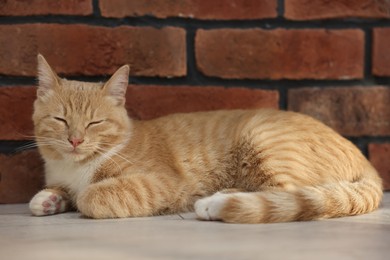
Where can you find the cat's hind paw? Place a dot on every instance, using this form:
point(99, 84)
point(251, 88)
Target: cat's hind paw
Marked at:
point(47, 202)
point(210, 208)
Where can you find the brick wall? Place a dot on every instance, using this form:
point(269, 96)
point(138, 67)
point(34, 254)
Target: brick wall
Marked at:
point(328, 59)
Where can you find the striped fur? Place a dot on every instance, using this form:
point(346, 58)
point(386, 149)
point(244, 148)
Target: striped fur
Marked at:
point(240, 166)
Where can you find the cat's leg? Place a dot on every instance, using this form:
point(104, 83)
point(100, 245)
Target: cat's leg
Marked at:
point(223, 205)
point(210, 208)
point(50, 201)
point(227, 206)
point(135, 195)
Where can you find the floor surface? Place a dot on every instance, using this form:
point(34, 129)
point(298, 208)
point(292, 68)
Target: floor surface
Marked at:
point(68, 236)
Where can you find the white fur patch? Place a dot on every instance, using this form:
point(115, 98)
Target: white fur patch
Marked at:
point(69, 174)
point(73, 175)
point(209, 208)
point(47, 203)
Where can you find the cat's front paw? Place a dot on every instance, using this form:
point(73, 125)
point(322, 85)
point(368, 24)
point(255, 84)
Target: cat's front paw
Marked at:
point(47, 202)
point(210, 208)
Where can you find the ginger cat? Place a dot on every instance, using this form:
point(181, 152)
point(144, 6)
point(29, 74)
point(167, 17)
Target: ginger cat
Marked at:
point(240, 166)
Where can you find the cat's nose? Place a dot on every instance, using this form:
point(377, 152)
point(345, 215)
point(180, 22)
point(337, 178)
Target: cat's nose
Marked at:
point(75, 141)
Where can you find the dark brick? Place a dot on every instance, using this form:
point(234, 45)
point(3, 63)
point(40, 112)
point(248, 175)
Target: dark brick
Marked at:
point(320, 9)
point(381, 53)
point(45, 7)
point(92, 50)
point(379, 157)
point(21, 176)
point(352, 111)
point(147, 102)
point(199, 9)
point(280, 54)
point(16, 104)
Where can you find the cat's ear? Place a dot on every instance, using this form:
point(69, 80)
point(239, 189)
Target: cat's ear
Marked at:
point(48, 79)
point(116, 86)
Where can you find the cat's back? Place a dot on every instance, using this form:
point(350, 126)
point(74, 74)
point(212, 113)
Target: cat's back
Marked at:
point(235, 122)
point(220, 130)
point(208, 120)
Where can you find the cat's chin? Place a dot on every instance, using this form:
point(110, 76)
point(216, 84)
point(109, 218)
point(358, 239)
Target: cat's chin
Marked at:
point(76, 157)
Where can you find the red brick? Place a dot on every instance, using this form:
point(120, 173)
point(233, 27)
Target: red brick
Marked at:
point(45, 7)
point(21, 176)
point(381, 53)
point(16, 105)
point(199, 9)
point(280, 54)
point(320, 9)
point(143, 102)
point(379, 156)
point(93, 50)
point(352, 111)
point(147, 102)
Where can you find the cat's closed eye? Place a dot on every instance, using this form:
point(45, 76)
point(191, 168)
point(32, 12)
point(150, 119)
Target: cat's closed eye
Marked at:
point(93, 123)
point(62, 120)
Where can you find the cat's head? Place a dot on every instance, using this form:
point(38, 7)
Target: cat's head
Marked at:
point(77, 120)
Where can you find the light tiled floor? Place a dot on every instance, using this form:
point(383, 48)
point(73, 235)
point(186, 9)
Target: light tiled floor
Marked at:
point(68, 236)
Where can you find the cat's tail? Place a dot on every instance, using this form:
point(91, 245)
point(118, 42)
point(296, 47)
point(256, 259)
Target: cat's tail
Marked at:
point(307, 203)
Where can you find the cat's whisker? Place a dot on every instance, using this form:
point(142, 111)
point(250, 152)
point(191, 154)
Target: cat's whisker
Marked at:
point(120, 155)
point(52, 142)
point(41, 139)
point(23, 148)
point(33, 142)
point(38, 138)
point(103, 152)
point(115, 153)
point(35, 136)
point(26, 147)
point(29, 137)
point(111, 159)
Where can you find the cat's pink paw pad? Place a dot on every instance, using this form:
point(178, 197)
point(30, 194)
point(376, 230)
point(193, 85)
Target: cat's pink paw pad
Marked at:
point(210, 208)
point(46, 203)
